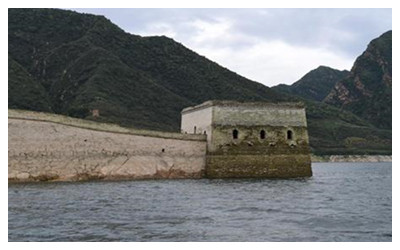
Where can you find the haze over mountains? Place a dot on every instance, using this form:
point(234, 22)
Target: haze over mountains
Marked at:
point(70, 63)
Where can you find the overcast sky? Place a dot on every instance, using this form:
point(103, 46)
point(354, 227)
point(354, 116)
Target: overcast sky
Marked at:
point(270, 46)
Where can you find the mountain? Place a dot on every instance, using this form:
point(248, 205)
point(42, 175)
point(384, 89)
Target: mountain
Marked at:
point(367, 91)
point(316, 84)
point(26, 93)
point(84, 62)
point(84, 66)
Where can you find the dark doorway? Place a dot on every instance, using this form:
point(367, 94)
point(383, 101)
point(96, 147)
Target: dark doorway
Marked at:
point(262, 134)
point(235, 133)
point(289, 135)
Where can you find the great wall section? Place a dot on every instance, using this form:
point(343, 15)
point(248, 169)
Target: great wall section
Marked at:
point(47, 147)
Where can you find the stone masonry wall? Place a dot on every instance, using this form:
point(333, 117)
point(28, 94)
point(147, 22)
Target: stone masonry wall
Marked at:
point(45, 150)
point(275, 155)
point(251, 156)
point(258, 166)
point(253, 115)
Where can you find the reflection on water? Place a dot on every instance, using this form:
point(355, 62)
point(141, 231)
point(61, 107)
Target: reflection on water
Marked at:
point(341, 202)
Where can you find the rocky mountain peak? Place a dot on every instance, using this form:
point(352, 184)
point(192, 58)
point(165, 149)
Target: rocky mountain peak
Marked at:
point(367, 91)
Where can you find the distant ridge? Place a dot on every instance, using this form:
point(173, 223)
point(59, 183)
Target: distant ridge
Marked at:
point(316, 84)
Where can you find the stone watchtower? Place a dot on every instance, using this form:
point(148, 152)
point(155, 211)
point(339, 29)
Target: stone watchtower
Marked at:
point(253, 139)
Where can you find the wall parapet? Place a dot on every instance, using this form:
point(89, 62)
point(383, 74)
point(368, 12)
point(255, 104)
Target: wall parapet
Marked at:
point(97, 126)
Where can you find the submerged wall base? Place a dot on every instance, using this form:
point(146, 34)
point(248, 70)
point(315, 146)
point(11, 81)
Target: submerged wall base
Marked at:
point(258, 166)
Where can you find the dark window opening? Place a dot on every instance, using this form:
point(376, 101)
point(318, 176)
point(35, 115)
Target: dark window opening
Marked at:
point(262, 134)
point(205, 132)
point(194, 130)
point(289, 135)
point(235, 134)
point(163, 150)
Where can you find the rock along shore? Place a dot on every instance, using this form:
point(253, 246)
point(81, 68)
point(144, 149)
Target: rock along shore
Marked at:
point(351, 158)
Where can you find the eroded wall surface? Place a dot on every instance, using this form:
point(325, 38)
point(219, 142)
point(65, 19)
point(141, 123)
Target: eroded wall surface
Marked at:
point(250, 156)
point(260, 115)
point(42, 150)
point(273, 155)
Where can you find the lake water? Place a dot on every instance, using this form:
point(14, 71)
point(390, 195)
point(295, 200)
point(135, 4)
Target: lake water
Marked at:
point(341, 202)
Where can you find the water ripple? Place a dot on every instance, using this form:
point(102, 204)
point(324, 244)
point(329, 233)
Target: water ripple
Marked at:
point(341, 202)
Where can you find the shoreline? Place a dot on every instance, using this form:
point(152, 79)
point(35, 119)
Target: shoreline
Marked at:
point(351, 158)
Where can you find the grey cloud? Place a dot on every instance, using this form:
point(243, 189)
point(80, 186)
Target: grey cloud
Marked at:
point(303, 27)
point(333, 37)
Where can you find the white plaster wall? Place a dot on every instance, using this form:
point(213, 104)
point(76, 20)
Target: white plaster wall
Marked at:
point(200, 118)
point(39, 150)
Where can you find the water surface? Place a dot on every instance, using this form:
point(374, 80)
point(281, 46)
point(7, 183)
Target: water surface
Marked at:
point(341, 202)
